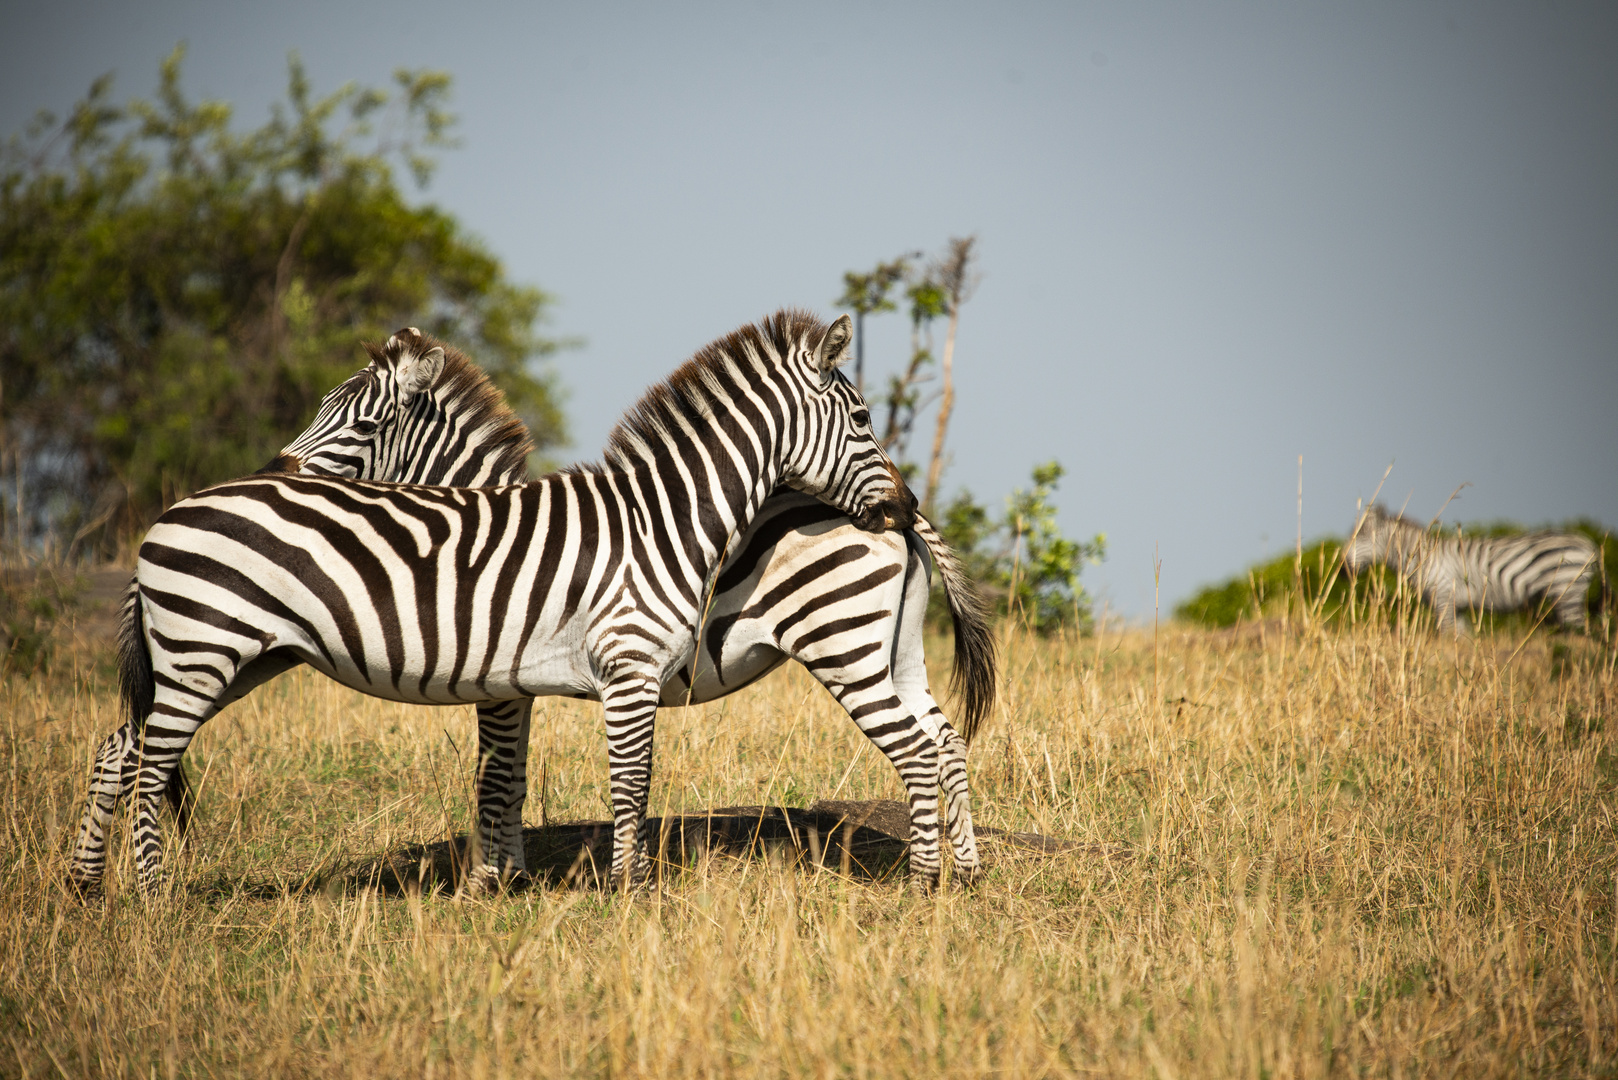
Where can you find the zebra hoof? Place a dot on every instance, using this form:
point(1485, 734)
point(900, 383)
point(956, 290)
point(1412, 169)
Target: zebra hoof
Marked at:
point(482, 881)
point(924, 884)
point(85, 887)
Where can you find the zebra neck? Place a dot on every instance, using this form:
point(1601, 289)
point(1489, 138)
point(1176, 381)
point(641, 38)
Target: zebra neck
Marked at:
point(1408, 547)
point(699, 514)
point(438, 445)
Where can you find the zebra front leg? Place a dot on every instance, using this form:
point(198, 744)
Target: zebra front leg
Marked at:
point(630, 705)
point(502, 788)
point(111, 777)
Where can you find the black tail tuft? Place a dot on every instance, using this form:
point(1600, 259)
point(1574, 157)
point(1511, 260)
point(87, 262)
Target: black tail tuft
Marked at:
point(135, 683)
point(973, 681)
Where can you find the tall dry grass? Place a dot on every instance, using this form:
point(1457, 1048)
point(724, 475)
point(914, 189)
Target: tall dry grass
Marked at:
point(1303, 853)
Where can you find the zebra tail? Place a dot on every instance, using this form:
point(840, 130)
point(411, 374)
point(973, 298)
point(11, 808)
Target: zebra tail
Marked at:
point(973, 680)
point(139, 690)
point(135, 683)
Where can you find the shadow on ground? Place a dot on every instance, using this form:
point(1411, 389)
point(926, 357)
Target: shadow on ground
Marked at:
point(865, 840)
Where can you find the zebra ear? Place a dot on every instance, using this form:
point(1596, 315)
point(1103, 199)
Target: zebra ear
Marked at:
point(417, 373)
point(834, 346)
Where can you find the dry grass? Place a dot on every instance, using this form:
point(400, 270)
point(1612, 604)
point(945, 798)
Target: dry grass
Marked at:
point(1309, 853)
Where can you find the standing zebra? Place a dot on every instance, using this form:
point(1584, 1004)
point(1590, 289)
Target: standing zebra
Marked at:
point(1500, 573)
point(803, 581)
point(587, 582)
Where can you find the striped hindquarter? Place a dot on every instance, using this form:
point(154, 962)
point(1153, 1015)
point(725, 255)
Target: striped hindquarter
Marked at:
point(584, 583)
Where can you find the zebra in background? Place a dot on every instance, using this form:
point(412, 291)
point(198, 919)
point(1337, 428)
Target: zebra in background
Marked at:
point(803, 582)
point(1499, 573)
point(418, 413)
point(587, 582)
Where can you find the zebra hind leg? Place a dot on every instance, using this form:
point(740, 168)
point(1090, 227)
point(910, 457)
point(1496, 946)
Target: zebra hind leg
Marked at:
point(111, 777)
point(957, 803)
point(177, 712)
point(879, 712)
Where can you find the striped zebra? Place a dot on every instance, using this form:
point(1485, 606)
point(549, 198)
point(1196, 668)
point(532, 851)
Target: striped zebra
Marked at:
point(1498, 573)
point(802, 577)
point(588, 582)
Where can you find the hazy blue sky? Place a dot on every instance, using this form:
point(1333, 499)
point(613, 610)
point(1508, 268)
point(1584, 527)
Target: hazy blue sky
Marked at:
point(1214, 236)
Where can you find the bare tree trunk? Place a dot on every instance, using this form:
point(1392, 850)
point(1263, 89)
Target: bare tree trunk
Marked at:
point(283, 275)
point(946, 404)
point(953, 274)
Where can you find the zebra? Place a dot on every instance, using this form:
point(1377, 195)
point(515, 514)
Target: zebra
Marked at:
point(585, 582)
point(422, 412)
point(1500, 573)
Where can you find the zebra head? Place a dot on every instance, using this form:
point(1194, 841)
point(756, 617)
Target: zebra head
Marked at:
point(356, 432)
point(837, 457)
point(1380, 537)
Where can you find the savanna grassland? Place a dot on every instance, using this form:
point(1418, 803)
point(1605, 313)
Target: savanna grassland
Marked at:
point(1298, 852)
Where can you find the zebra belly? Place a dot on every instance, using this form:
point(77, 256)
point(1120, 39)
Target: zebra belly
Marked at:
point(742, 668)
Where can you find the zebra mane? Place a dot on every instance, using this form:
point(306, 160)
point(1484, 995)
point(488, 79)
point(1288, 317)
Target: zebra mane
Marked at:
point(465, 392)
point(696, 385)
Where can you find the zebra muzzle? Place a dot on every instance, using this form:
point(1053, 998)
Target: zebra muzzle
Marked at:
point(895, 512)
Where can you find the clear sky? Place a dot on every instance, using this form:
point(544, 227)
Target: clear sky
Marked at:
point(1214, 237)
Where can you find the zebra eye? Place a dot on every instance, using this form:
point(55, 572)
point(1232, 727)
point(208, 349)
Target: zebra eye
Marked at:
point(364, 428)
point(862, 417)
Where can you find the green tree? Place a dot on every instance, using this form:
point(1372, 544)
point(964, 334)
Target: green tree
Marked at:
point(176, 295)
point(903, 395)
point(1023, 563)
point(951, 275)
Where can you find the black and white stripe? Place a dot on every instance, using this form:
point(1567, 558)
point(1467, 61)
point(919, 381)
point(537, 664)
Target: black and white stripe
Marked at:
point(804, 583)
point(1496, 573)
point(587, 582)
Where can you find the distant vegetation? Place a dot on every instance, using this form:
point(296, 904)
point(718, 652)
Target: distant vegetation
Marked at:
point(176, 294)
point(1273, 587)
